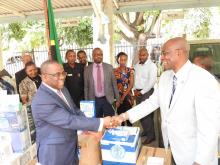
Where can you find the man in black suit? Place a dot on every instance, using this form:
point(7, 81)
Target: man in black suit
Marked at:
point(21, 74)
point(82, 58)
point(74, 80)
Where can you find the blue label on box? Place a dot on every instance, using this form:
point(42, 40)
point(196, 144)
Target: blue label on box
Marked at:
point(88, 108)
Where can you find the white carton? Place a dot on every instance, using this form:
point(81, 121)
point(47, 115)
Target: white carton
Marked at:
point(13, 121)
point(20, 141)
point(88, 108)
point(120, 145)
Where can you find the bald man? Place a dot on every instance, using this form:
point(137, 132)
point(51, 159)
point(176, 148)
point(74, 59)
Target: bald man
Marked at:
point(57, 119)
point(189, 100)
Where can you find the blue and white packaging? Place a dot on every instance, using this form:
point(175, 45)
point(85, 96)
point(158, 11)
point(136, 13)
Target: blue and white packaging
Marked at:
point(20, 141)
point(120, 145)
point(12, 121)
point(88, 108)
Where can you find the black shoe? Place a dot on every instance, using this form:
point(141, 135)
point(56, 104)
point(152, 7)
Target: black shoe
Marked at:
point(143, 134)
point(148, 140)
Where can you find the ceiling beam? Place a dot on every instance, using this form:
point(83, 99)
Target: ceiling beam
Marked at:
point(9, 9)
point(132, 6)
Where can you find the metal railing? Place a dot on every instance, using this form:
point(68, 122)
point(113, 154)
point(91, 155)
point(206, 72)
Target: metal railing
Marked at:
point(41, 54)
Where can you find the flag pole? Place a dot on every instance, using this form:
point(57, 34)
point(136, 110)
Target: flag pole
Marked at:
point(45, 6)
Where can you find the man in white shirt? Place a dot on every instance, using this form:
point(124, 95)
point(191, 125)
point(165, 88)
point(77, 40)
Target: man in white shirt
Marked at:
point(189, 100)
point(145, 78)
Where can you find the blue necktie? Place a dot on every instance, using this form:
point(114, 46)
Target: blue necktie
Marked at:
point(173, 88)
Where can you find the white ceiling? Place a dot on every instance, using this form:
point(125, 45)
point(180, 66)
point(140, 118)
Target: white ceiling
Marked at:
point(20, 10)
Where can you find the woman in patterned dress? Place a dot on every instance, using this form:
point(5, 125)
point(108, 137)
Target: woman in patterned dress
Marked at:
point(125, 80)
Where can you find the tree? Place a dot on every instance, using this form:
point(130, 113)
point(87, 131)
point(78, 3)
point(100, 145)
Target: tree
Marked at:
point(81, 34)
point(139, 24)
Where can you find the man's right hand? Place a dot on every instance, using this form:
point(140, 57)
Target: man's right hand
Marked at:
point(137, 93)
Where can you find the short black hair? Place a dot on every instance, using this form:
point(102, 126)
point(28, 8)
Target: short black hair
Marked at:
point(69, 51)
point(29, 64)
point(119, 55)
point(80, 51)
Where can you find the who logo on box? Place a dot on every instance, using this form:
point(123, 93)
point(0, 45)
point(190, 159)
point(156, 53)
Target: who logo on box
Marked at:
point(88, 108)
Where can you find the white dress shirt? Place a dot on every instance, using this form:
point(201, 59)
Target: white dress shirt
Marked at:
point(145, 76)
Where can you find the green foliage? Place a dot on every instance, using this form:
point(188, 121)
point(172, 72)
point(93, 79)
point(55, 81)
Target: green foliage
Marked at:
point(16, 31)
point(198, 27)
point(149, 13)
point(82, 34)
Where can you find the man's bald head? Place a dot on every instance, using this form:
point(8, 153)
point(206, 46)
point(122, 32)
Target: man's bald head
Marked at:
point(26, 57)
point(175, 53)
point(45, 66)
point(143, 55)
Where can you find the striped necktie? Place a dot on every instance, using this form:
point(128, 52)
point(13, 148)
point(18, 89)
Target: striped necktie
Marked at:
point(99, 79)
point(59, 92)
point(173, 89)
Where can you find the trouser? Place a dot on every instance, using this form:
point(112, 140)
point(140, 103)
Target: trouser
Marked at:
point(148, 121)
point(126, 105)
point(103, 107)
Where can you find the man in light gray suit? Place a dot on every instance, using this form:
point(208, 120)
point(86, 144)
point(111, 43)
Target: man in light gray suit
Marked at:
point(100, 85)
point(57, 119)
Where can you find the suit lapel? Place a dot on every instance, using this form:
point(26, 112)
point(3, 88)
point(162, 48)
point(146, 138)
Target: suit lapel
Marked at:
point(68, 98)
point(105, 73)
point(180, 88)
point(53, 94)
point(91, 74)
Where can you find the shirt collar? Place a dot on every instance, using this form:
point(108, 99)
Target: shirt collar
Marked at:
point(53, 89)
point(100, 64)
point(182, 73)
point(147, 61)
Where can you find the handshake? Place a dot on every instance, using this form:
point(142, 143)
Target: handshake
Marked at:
point(114, 121)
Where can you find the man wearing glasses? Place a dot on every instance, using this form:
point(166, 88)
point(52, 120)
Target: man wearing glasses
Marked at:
point(189, 100)
point(57, 119)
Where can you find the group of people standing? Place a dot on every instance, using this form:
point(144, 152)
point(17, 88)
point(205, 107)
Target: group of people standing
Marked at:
point(188, 98)
point(111, 88)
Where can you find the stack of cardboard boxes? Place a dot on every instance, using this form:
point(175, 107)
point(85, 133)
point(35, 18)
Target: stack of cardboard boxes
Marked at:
point(15, 132)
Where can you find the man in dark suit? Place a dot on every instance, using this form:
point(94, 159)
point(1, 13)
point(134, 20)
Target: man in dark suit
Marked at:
point(82, 58)
point(57, 119)
point(21, 74)
point(74, 80)
point(100, 85)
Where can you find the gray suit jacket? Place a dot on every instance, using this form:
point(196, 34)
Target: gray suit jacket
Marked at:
point(56, 127)
point(110, 85)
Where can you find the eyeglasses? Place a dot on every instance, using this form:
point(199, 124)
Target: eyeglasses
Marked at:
point(58, 74)
point(164, 53)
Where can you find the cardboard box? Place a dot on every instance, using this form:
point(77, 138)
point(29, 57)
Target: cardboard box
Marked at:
point(13, 121)
point(147, 152)
point(120, 145)
point(89, 150)
point(20, 141)
point(10, 103)
point(88, 108)
point(11, 160)
point(5, 147)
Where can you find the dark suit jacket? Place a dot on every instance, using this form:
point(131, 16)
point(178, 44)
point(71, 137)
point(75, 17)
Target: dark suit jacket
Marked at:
point(74, 82)
point(20, 75)
point(56, 127)
point(110, 85)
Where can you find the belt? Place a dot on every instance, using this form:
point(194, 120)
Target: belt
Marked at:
point(100, 97)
